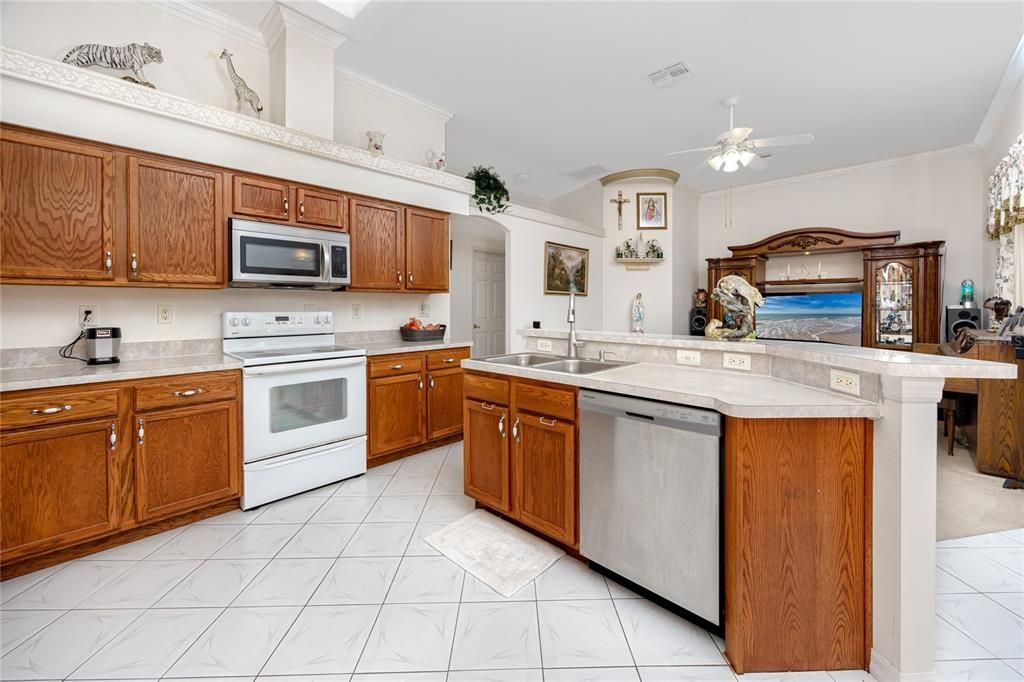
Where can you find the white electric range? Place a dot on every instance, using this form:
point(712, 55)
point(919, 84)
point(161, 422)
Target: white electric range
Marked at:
point(304, 403)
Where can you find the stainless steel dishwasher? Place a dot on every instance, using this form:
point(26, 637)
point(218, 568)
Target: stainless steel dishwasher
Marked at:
point(650, 497)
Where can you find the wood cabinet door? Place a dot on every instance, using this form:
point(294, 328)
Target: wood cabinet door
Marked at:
point(59, 487)
point(378, 247)
point(176, 226)
point(185, 458)
point(325, 209)
point(487, 470)
point(544, 475)
point(260, 198)
point(56, 219)
point(444, 403)
point(426, 250)
point(396, 406)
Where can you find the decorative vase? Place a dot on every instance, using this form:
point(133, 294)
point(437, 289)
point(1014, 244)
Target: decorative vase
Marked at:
point(375, 141)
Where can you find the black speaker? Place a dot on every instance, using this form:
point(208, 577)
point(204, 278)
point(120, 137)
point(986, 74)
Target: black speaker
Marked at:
point(698, 320)
point(961, 317)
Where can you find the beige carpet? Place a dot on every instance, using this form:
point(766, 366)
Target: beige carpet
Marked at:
point(971, 503)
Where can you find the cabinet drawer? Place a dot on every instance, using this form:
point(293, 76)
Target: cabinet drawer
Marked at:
point(54, 406)
point(395, 365)
point(186, 389)
point(485, 388)
point(443, 359)
point(545, 400)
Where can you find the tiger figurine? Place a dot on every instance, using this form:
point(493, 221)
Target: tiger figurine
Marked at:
point(131, 57)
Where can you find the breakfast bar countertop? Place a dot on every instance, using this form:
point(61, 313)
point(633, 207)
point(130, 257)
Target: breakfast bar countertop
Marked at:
point(68, 374)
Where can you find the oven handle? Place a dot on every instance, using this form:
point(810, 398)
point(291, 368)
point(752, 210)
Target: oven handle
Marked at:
point(312, 365)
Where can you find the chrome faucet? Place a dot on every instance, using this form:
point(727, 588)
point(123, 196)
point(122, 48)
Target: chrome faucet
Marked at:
point(571, 319)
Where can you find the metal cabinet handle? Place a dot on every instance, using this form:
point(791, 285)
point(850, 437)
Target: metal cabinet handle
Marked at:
point(409, 278)
point(189, 393)
point(51, 410)
point(109, 262)
point(547, 422)
point(302, 209)
point(421, 384)
point(399, 276)
point(142, 430)
point(286, 204)
point(113, 435)
point(487, 406)
point(501, 425)
point(449, 359)
point(395, 366)
point(431, 382)
point(135, 263)
point(515, 429)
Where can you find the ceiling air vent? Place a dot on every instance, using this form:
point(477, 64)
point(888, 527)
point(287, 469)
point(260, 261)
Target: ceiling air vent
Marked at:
point(670, 74)
point(590, 172)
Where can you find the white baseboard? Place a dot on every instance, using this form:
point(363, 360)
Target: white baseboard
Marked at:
point(883, 671)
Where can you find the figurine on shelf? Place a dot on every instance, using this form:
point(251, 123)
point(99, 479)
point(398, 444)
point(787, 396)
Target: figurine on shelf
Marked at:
point(637, 315)
point(740, 299)
point(375, 141)
point(700, 298)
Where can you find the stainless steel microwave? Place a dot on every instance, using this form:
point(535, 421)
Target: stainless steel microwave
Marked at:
point(271, 255)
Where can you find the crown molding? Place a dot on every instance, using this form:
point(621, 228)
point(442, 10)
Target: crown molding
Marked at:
point(641, 173)
point(881, 163)
point(529, 200)
point(537, 216)
point(92, 84)
point(1003, 94)
point(378, 89)
point(281, 18)
point(212, 19)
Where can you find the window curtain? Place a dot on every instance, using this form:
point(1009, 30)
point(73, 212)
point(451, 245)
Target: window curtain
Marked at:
point(1006, 223)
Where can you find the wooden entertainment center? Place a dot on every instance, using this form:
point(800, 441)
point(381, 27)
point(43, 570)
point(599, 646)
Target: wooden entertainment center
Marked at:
point(902, 284)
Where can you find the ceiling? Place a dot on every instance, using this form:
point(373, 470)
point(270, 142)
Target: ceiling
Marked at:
point(544, 88)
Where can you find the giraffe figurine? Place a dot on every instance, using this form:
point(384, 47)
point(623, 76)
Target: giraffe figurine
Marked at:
point(243, 93)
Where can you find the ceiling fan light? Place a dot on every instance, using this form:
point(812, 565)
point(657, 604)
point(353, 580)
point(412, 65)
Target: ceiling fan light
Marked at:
point(746, 156)
point(731, 160)
point(715, 161)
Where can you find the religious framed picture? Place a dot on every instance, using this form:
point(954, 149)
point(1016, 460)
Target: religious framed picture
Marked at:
point(566, 268)
point(651, 211)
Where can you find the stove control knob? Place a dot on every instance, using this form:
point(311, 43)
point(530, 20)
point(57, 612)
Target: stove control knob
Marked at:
point(327, 318)
point(233, 321)
point(246, 321)
point(316, 319)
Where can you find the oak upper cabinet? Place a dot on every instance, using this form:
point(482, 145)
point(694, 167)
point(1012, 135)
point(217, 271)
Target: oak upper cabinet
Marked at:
point(377, 232)
point(185, 458)
point(260, 198)
point(57, 218)
point(176, 224)
point(60, 486)
point(320, 208)
point(395, 412)
point(426, 250)
point(444, 403)
point(487, 454)
point(544, 461)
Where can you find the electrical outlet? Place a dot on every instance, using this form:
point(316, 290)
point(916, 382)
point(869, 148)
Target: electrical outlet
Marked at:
point(688, 357)
point(424, 309)
point(845, 382)
point(88, 315)
point(736, 361)
point(357, 311)
point(165, 314)
point(544, 345)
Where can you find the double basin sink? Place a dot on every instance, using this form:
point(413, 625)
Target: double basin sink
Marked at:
point(554, 363)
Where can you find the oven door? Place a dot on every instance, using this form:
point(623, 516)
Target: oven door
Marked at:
point(277, 255)
point(299, 405)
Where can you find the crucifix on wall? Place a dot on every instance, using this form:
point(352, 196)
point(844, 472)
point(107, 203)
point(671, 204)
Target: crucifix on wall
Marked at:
point(618, 206)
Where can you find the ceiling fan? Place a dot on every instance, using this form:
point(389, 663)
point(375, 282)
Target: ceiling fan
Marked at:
point(734, 150)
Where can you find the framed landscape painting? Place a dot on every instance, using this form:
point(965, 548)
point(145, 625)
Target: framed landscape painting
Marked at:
point(565, 268)
point(651, 211)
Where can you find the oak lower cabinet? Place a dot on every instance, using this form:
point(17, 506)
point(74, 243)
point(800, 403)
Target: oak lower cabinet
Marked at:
point(88, 467)
point(520, 452)
point(413, 400)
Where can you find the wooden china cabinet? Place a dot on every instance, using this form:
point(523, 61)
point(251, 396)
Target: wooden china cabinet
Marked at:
point(902, 302)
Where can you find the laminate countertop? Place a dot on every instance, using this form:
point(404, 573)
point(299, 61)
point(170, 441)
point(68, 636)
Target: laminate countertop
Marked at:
point(392, 346)
point(736, 395)
point(68, 374)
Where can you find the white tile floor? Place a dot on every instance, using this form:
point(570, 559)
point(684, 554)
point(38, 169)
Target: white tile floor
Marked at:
point(337, 584)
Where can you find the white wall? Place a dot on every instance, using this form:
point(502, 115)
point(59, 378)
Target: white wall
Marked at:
point(621, 285)
point(687, 275)
point(191, 67)
point(583, 204)
point(934, 196)
point(47, 316)
point(469, 233)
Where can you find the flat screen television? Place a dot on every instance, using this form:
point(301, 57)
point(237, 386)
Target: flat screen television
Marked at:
point(829, 317)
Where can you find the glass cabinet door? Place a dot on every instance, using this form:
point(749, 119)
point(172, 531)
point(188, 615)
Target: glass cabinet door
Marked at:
point(894, 305)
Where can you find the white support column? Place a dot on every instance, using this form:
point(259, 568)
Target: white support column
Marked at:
point(301, 71)
point(903, 531)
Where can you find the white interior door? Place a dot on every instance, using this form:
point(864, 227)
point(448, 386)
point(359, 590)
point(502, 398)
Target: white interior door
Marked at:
point(488, 303)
